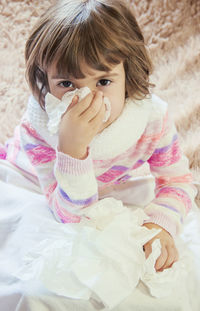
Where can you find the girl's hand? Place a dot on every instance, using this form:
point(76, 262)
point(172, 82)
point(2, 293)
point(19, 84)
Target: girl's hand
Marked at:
point(80, 124)
point(169, 253)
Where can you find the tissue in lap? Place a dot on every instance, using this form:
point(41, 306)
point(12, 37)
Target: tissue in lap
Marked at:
point(102, 256)
point(55, 107)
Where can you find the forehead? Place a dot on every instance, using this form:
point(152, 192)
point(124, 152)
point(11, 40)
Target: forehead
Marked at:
point(87, 70)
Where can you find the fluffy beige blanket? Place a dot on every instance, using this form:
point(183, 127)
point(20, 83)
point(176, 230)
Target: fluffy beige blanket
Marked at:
point(172, 32)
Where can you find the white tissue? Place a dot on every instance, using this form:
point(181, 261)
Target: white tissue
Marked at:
point(55, 108)
point(100, 258)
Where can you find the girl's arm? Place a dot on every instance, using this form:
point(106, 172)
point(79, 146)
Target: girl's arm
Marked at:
point(69, 184)
point(174, 193)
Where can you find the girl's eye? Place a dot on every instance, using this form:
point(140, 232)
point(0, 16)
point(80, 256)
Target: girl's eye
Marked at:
point(65, 84)
point(104, 82)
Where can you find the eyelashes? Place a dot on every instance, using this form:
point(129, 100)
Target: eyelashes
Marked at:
point(105, 82)
point(65, 84)
point(69, 84)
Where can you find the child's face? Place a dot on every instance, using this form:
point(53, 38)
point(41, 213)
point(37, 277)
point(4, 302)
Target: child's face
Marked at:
point(111, 83)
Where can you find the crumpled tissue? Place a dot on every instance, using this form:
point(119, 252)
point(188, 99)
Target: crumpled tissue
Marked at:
point(101, 258)
point(55, 108)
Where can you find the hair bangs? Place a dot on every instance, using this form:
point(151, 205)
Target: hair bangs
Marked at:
point(82, 44)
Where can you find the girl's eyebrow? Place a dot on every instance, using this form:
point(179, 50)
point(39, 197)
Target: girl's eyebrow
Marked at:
point(107, 75)
point(57, 76)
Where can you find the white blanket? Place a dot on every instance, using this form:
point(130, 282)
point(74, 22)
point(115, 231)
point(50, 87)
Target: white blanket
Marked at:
point(96, 265)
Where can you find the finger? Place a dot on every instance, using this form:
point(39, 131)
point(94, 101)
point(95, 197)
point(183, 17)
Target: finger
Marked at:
point(177, 256)
point(83, 105)
point(74, 102)
point(148, 249)
point(91, 112)
point(170, 259)
point(98, 119)
point(160, 262)
point(172, 255)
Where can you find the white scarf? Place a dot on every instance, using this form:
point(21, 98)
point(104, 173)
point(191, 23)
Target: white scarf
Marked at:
point(119, 136)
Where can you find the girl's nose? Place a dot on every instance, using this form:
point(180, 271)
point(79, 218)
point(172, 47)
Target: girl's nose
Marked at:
point(93, 88)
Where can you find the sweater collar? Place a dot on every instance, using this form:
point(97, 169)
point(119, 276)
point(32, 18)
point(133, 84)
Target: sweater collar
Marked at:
point(119, 136)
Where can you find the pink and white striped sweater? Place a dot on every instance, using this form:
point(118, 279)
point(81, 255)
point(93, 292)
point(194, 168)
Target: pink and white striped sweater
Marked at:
point(142, 134)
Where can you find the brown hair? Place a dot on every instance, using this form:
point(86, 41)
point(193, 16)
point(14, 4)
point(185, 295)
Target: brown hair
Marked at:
point(100, 32)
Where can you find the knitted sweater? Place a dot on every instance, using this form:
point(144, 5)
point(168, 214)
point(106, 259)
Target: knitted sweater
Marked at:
point(142, 134)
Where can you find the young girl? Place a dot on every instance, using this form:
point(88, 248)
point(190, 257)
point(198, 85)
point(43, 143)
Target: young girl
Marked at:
point(98, 44)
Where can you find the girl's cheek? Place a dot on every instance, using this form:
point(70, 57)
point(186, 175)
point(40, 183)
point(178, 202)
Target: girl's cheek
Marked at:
point(57, 92)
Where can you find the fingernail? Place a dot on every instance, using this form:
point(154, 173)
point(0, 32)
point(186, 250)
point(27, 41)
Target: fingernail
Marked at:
point(75, 98)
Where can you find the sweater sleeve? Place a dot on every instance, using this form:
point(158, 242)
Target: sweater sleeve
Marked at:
point(69, 184)
point(174, 191)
